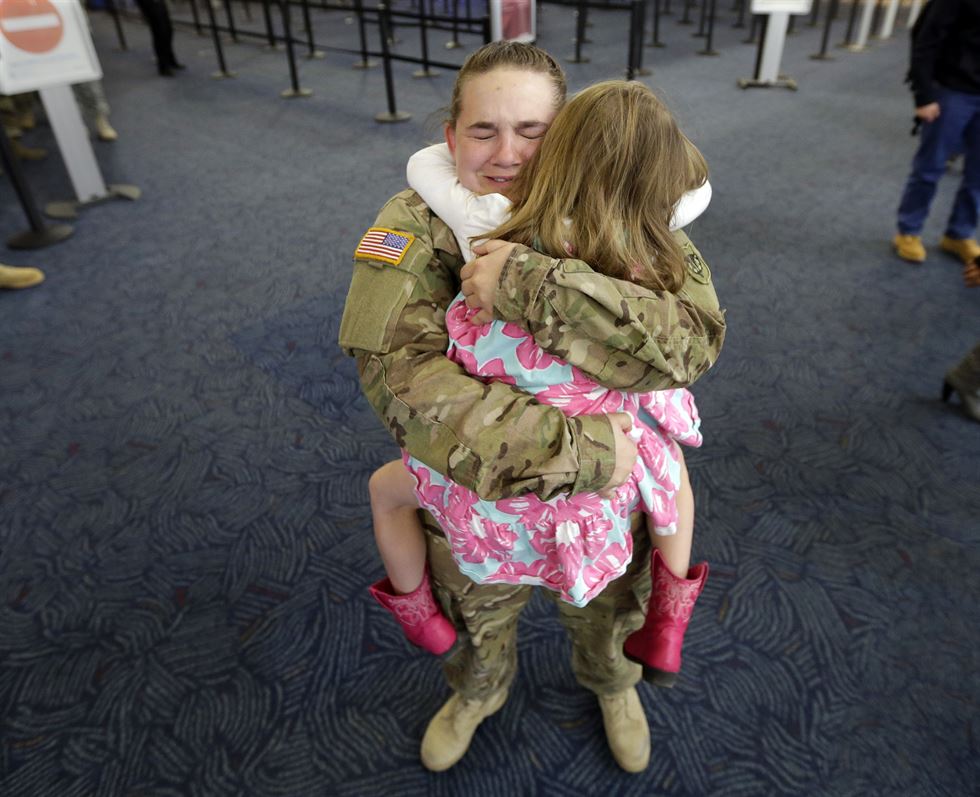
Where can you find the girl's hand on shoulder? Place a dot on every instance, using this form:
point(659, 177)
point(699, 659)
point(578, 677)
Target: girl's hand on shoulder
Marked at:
point(480, 277)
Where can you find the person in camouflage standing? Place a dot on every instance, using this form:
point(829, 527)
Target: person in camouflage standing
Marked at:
point(493, 438)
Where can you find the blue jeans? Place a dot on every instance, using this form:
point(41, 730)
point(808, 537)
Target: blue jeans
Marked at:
point(956, 130)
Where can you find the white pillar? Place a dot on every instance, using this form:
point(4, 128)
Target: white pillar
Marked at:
point(914, 11)
point(864, 29)
point(772, 48)
point(888, 26)
point(73, 141)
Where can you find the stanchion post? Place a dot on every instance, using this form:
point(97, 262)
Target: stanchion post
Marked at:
point(393, 114)
point(269, 33)
point(425, 71)
point(312, 51)
point(815, 14)
point(655, 38)
point(740, 22)
point(851, 19)
point(114, 13)
point(702, 20)
point(686, 18)
point(40, 234)
point(831, 16)
point(581, 17)
point(365, 62)
point(295, 90)
point(454, 42)
point(634, 64)
point(216, 39)
point(231, 21)
point(708, 49)
point(754, 28)
point(196, 17)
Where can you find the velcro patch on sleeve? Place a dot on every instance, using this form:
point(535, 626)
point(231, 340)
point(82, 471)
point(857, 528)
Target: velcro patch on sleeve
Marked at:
point(388, 246)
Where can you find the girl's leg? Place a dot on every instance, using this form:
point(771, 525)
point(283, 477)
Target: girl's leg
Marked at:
point(397, 529)
point(675, 588)
point(406, 592)
point(676, 548)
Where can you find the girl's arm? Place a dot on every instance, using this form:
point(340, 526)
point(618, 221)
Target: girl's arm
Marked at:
point(432, 173)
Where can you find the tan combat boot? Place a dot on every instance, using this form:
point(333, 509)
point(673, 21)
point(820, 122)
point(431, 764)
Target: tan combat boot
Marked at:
point(626, 729)
point(909, 247)
point(451, 730)
point(966, 249)
point(13, 277)
point(104, 130)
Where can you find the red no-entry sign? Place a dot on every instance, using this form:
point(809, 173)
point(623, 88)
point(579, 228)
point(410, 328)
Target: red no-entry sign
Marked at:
point(34, 26)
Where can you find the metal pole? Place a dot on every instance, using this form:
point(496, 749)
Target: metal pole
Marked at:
point(702, 19)
point(425, 71)
point(313, 52)
point(197, 18)
point(393, 114)
point(580, 20)
point(655, 40)
point(850, 24)
point(708, 50)
point(686, 19)
point(365, 62)
point(287, 33)
point(114, 13)
point(222, 69)
point(231, 22)
point(740, 22)
point(267, 14)
point(831, 15)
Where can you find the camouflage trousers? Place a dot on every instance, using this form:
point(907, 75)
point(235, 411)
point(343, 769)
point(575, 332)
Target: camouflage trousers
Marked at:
point(486, 616)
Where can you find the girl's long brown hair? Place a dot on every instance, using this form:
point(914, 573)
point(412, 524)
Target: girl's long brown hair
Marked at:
point(614, 163)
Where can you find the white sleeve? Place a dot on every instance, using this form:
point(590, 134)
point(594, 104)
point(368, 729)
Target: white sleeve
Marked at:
point(690, 206)
point(432, 173)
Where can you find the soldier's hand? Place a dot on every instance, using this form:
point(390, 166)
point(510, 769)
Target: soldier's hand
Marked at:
point(928, 113)
point(480, 277)
point(626, 452)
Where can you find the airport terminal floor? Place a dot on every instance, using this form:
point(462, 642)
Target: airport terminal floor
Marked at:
point(185, 533)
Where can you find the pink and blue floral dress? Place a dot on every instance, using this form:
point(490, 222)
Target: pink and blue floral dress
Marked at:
point(572, 544)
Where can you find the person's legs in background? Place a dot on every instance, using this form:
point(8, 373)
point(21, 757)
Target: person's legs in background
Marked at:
point(939, 139)
point(961, 229)
point(95, 108)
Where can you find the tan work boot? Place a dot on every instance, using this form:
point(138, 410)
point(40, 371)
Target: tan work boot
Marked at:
point(14, 277)
point(966, 249)
point(626, 729)
point(104, 130)
point(451, 730)
point(909, 247)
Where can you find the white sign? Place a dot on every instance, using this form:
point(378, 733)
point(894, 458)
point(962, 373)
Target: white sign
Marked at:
point(44, 43)
point(775, 6)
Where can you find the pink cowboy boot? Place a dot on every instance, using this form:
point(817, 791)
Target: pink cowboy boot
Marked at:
point(419, 615)
point(657, 646)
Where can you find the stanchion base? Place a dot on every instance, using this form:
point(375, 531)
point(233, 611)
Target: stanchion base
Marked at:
point(821, 57)
point(781, 83)
point(452, 45)
point(68, 209)
point(316, 54)
point(35, 239)
point(291, 94)
point(366, 64)
point(426, 73)
point(708, 52)
point(388, 118)
point(642, 72)
point(856, 48)
point(219, 75)
point(582, 60)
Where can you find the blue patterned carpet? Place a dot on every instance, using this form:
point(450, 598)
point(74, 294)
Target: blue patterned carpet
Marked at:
point(184, 534)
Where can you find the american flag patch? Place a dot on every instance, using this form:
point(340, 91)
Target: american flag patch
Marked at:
point(379, 243)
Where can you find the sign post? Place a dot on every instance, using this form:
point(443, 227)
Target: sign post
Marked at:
point(45, 46)
point(771, 42)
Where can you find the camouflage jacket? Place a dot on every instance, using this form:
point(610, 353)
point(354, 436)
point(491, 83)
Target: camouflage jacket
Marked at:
point(489, 436)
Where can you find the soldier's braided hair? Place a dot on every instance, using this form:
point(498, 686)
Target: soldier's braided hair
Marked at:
point(506, 55)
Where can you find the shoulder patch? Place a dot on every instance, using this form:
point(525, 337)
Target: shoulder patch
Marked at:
point(697, 268)
point(388, 246)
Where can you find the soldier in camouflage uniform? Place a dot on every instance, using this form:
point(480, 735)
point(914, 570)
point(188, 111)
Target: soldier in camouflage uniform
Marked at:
point(500, 442)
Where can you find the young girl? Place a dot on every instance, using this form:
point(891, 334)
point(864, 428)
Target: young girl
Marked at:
point(610, 173)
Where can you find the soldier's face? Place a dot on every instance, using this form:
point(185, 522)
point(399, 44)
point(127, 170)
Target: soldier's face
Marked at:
point(504, 114)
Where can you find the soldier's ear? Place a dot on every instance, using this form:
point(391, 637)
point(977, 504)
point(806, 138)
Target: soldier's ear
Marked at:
point(450, 132)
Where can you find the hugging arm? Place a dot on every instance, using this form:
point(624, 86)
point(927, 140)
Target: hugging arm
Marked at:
point(626, 337)
point(487, 436)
